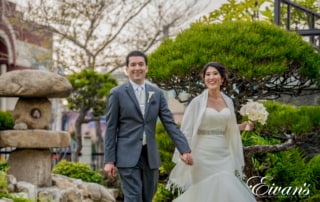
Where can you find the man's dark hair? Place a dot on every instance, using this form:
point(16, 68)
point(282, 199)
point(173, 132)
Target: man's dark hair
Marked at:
point(136, 53)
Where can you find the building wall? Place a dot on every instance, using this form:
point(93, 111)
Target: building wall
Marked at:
point(21, 46)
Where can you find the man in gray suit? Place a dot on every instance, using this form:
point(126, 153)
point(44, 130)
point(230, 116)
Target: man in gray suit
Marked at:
point(133, 109)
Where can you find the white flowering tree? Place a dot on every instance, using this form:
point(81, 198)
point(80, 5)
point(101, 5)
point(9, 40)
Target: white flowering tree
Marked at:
point(98, 34)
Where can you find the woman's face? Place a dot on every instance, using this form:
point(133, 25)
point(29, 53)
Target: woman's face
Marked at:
point(212, 78)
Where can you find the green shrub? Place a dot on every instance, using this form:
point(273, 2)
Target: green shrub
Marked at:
point(166, 149)
point(77, 170)
point(4, 165)
point(290, 168)
point(3, 182)
point(4, 192)
point(6, 120)
point(163, 194)
point(15, 198)
point(285, 118)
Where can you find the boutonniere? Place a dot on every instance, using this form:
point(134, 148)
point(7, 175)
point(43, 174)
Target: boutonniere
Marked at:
point(150, 93)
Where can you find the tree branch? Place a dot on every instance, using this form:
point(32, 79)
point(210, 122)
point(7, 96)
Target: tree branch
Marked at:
point(290, 143)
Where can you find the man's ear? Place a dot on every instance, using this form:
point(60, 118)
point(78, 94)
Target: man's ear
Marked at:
point(126, 71)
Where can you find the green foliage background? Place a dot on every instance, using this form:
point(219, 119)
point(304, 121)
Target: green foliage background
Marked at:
point(90, 90)
point(77, 170)
point(4, 189)
point(261, 59)
point(287, 168)
point(249, 49)
point(6, 120)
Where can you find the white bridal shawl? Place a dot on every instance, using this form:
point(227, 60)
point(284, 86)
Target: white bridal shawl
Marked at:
point(180, 176)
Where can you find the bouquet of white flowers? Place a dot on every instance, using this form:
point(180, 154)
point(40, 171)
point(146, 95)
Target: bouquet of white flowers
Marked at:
point(255, 112)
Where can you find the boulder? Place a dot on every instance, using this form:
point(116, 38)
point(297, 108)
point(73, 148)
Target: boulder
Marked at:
point(64, 189)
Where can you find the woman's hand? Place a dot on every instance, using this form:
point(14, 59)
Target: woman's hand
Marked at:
point(246, 125)
point(187, 158)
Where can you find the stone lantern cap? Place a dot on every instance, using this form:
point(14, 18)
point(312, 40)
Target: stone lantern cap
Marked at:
point(34, 139)
point(34, 83)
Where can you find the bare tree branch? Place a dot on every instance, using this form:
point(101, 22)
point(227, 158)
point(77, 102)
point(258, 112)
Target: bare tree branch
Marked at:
point(255, 149)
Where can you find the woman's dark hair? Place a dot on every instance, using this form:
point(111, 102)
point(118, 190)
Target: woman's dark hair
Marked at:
point(136, 53)
point(221, 69)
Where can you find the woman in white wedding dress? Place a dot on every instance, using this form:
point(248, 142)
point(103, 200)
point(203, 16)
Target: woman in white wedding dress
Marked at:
point(210, 126)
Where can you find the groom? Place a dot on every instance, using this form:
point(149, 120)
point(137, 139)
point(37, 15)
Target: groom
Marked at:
point(130, 144)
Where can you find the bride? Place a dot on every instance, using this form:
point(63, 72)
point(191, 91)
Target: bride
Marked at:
point(210, 126)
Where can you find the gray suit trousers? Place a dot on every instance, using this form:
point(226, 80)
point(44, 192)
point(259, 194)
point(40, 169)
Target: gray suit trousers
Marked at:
point(139, 183)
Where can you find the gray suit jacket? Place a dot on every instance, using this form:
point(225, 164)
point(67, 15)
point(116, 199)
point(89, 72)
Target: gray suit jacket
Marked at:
point(125, 126)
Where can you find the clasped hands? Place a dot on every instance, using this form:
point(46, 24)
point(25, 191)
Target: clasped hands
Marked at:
point(186, 158)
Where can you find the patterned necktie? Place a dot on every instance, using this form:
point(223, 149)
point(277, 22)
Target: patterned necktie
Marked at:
point(142, 100)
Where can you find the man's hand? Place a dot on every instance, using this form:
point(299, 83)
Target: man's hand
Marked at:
point(110, 169)
point(187, 158)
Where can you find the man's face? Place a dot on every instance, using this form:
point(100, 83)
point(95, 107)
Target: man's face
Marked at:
point(137, 69)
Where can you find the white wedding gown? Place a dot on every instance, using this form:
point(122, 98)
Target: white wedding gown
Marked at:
point(213, 175)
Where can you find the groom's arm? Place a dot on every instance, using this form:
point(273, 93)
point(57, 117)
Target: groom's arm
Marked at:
point(172, 128)
point(111, 128)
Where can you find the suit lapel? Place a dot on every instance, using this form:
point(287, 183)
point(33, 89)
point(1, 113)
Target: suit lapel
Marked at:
point(132, 95)
point(148, 90)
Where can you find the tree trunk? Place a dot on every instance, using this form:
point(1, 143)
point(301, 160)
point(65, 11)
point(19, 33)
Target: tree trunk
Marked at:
point(249, 169)
point(99, 145)
point(78, 131)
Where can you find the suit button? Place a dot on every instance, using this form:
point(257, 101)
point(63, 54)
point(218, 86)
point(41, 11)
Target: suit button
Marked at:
point(141, 139)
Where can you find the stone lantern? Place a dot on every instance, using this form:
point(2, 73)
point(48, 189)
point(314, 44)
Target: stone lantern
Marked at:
point(32, 137)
